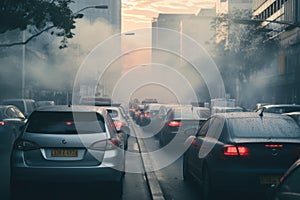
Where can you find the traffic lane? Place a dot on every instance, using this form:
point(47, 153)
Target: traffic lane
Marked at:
point(171, 178)
point(135, 185)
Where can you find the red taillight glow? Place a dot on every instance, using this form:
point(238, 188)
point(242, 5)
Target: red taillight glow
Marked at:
point(68, 123)
point(147, 114)
point(118, 124)
point(274, 145)
point(2, 123)
point(174, 123)
point(236, 151)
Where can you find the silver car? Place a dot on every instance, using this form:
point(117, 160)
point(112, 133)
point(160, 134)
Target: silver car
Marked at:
point(64, 145)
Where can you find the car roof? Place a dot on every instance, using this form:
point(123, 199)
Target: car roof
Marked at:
point(73, 108)
point(5, 100)
point(280, 105)
point(233, 115)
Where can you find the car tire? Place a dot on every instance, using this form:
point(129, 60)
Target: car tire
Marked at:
point(206, 189)
point(185, 171)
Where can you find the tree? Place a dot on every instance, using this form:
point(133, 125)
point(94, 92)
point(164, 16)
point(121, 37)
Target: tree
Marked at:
point(38, 16)
point(241, 50)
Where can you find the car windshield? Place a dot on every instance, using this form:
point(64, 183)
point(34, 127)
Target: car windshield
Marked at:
point(263, 128)
point(65, 123)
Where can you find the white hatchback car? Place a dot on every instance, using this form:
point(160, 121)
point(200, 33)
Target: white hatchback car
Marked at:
point(64, 145)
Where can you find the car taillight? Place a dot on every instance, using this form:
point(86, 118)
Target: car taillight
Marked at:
point(274, 145)
point(175, 123)
point(147, 114)
point(236, 151)
point(2, 123)
point(118, 124)
point(26, 145)
point(105, 145)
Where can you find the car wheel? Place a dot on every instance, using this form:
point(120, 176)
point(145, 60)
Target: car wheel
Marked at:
point(206, 189)
point(186, 174)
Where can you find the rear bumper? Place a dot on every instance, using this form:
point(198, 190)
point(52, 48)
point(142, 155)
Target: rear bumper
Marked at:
point(246, 180)
point(65, 175)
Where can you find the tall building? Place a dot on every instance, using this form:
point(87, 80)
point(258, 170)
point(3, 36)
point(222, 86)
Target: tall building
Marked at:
point(281, 18)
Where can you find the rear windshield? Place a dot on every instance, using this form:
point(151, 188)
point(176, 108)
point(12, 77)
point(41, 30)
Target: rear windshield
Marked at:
point(63, 123)
point(264, 128)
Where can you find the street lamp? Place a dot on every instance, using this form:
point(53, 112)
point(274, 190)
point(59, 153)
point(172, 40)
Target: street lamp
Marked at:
point(74, 15)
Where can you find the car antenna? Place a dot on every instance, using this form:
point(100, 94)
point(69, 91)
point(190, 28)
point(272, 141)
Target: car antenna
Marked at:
point(261, 114)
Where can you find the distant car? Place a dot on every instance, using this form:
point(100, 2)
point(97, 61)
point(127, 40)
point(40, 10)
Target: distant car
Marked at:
point(218, 109)
point(62, 146)
point(279, 108)
point(120, 121)
point(241, 152)
point(27, 106)
point(149, 113)
point(177, 120)
point(40, 104)
point(289, 187)
point(11, 121)
point(295, 116)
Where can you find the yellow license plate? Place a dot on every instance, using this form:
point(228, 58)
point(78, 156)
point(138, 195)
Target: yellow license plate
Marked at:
point(269, 179)
point(64, 153)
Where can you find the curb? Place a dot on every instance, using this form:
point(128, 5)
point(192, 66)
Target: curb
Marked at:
point(151, 179)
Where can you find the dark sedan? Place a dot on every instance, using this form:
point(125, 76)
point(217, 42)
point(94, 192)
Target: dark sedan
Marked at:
point(241, 152)
point(179, 119)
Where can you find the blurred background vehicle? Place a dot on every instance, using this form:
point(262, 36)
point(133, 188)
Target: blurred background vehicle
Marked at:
point(279, 108)
point(294, 115)
point(219, 109)
point(120, 122)
point(177, 120)
point(63, 145)
point(11, 122)
point(241, 152)
point(27, 106)
point(40, 104)
point(150, 112)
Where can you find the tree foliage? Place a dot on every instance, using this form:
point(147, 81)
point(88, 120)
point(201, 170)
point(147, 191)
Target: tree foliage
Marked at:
point(38, 16)
point(242, 49)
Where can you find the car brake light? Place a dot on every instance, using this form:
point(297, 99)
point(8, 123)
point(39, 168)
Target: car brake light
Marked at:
point(2, 123)
point(25, 145)
point(175, 123)
point(274, 145)
point(118, 124)
point(105, 145)
point(236, 151)
point(68, 123)
point(147, 114)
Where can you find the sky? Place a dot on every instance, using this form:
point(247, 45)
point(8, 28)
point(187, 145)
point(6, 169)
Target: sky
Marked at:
point(139, 13)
